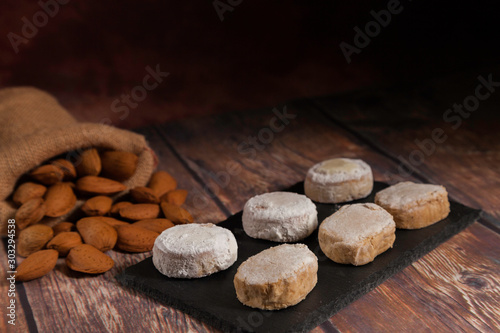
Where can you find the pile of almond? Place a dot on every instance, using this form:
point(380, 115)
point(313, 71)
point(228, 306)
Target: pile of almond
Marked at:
point(131, 224)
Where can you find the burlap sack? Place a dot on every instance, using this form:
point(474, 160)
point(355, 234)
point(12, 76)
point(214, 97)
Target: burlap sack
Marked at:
point(34, 127)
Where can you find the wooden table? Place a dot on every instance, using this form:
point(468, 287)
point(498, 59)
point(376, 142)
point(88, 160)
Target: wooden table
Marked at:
point(223, 160)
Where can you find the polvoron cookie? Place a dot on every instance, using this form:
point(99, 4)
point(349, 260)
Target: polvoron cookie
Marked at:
point(194, 250)
point(356, 234)
point(277, 278)
point(280, 217)
point(339, 180)
point(414, 206)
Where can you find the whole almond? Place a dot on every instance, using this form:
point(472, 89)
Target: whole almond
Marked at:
point(33, 239)
point(162, 182)
point(28, 191)
point(59, 200)
point(97, 233)
point(140, 212)
point(67, 167)
point(36, 265)
point(97, 206)
point(70, 184)
point(176, 197)
point(89, 163)
point(143, 194)
point(135, 239)
point(64, 242)
point(47, 174)
point(115, 209)
point(63, 227)
point(118, 165)
point(156, 225)
point(87, 259)
point(31, 212)
point(108, 220)
point(176, 214)
point(99, 185)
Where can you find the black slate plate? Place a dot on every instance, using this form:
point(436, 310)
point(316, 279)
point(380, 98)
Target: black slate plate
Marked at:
point(213, 299)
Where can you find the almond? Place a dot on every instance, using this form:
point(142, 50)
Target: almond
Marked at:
point(143, 194)
point(140, 212)
point(162, 182)
point(70, 184)
point(97, 206)
point(64, 242)
point(28, 191)
point(115, 209)
point(118, 165)
point(31, 212)
point(99, 185)
point(67, 168)
point(59, 200)
point(176, 197)
point(176, 214)
point(135, 239)
point(97, 233)
point(33, 239)
point(36, 265)
point(47, 174)
point(89, 163)
point(156, 225)
point(87, 259)
point(108, 220)
point(63, 227)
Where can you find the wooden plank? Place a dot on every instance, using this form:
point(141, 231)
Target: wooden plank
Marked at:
point(221, 150)
point(394, 119)
point(20, 320)
point(100, 303)
point(442, 292)
point(199, 203)
point(208, 147)
point(307, 139)
point(67, 301)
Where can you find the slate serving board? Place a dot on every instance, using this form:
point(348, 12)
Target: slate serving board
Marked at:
point(212, 299)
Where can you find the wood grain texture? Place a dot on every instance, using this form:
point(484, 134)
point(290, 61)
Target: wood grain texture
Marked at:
point(453, 288)
point(276, 162)
point(397, 119)
point(198, 202)
point(285, 161)
point(21, 320)
point(99, 303)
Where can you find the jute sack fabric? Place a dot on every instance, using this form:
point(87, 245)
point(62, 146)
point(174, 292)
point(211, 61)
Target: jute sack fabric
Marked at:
point(34, 127)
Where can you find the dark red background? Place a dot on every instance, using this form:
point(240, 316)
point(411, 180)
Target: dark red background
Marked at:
point(262, 53)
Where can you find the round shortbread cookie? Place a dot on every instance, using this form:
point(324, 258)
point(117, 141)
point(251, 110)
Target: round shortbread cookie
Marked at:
point(414, 206)
point(194, 250)
point(357, 233)
point(277, 278)
point(339, 180)
point(280, 217)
